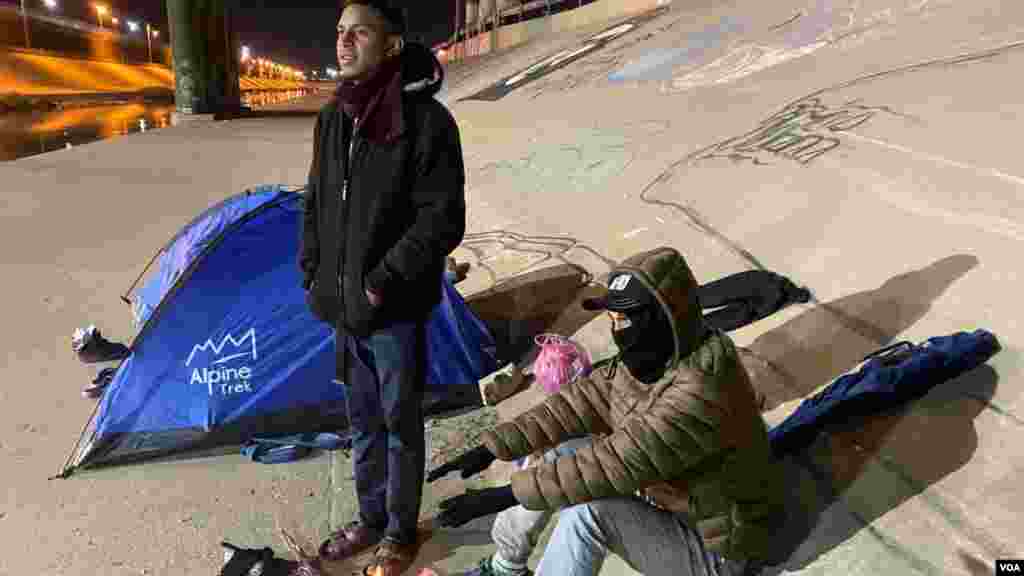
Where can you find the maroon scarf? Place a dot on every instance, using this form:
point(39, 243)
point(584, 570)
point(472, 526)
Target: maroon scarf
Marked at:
point(377, 102)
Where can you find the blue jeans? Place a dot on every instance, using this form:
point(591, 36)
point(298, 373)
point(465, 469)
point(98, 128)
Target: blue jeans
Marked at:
point(652, 541)
point(385, 380)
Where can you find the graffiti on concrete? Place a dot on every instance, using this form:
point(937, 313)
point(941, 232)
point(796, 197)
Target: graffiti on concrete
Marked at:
point(561, 59)
point(743, 61)
point(589, 162)
point(795, 38)
point(802, 131)
point(658, 64)
point(572, 169)
point(661, 192)
point(520, 252)
point(824, 24)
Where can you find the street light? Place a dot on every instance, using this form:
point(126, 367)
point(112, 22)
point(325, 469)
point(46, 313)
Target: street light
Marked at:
point(24, 19)
point(150, 34)
point(133, 26)
point(114, 20)
point(101, 10)
point(51, 4)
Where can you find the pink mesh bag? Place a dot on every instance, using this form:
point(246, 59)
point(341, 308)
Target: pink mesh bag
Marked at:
point(560, 362)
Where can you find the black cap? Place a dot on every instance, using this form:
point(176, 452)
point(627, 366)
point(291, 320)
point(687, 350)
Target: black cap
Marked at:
point(389, 9)
point(625, 293)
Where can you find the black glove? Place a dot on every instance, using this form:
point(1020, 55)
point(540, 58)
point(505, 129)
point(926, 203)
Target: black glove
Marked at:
point(473, 462)
point(473, 504)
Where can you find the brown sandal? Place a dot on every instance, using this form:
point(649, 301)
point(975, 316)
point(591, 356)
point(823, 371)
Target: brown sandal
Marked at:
point(391, 559)
point(349, 541)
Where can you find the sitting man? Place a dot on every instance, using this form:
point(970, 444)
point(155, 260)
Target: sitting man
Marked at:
point(664, 462)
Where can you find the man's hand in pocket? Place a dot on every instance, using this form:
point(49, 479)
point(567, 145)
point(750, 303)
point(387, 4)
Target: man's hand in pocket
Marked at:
point(373, 298)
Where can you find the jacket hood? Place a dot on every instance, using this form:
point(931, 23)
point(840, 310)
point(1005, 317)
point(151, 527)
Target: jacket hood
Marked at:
point(665, 273)
point(421, 70)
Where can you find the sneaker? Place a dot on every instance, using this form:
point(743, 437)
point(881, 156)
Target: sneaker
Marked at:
point(484, 568)
point(92, 347)
point(349, 541)
point(95, 390)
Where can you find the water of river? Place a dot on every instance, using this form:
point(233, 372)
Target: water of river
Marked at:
point(31, 133)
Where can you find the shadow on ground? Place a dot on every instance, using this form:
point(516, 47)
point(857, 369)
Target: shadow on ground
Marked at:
point(852, 476)
point(830, 339)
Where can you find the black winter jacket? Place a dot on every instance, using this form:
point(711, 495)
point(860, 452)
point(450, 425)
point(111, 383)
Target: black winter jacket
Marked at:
point(403, 213)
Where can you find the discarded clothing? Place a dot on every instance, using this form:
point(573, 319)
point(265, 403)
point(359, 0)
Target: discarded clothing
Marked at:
point(291, 448)
point(248, 561)
point(746, 297)
point(892, 377)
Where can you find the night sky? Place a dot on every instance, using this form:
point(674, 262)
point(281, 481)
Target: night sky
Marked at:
point(299, 33)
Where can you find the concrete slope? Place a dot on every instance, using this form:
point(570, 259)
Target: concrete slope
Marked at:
point(861, 148)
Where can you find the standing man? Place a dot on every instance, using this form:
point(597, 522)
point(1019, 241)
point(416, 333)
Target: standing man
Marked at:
point(385, 207)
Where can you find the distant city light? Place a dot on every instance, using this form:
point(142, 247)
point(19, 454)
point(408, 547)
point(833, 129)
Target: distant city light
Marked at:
point(246, 53)
point(51, 4)
point(133, 26)
point(101, 10)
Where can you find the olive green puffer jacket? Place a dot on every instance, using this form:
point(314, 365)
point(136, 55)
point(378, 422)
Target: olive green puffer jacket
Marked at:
point(694, 440)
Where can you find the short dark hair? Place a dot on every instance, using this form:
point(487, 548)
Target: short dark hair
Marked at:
point(388, 9)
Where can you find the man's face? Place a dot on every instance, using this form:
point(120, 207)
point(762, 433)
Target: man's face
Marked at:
point(625, 330)
point(363, 42)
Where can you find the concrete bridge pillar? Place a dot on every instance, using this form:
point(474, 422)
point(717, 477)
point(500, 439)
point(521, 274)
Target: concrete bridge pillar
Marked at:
point(472, 15)
point(205, 48)
point(489, 13)
point(460, 33)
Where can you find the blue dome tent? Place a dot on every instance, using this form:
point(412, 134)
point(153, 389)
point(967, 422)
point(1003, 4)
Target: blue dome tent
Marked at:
point(227, 350)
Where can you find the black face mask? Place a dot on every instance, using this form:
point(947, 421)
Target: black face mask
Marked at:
point(646, 344)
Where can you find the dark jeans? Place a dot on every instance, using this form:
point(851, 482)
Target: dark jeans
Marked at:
point(385, 380)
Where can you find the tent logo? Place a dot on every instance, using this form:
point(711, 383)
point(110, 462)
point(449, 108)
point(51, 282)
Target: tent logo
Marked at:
point(231, 379)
